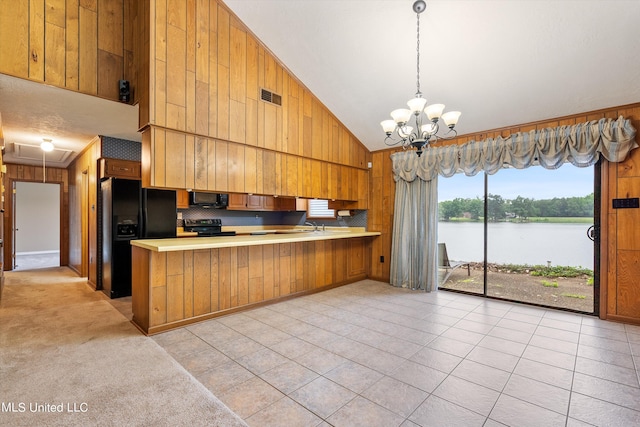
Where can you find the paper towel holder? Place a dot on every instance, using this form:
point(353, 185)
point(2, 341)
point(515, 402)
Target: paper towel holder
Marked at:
point(345, 213)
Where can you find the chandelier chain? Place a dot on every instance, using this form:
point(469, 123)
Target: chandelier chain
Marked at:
point(418, 55)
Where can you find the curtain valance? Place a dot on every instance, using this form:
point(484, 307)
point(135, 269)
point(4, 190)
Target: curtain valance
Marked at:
point(580, 145)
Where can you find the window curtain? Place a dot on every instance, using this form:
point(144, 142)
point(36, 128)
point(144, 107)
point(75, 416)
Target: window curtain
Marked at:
point(414, 240)
point(414, 245)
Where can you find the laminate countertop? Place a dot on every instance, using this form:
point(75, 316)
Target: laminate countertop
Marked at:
point(265, 237)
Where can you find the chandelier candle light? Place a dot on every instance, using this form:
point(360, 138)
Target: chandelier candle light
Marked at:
point(423, 131)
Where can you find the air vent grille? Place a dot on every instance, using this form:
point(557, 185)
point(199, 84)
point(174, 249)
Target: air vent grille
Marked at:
point(271, 97)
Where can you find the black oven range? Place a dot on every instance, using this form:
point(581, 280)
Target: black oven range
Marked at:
point(206, 227)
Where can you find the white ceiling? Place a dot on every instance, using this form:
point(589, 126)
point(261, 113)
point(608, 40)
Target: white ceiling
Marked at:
point(32, 112)
point(500, 62)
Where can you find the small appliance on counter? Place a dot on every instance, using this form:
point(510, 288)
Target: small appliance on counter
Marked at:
point(206, 227)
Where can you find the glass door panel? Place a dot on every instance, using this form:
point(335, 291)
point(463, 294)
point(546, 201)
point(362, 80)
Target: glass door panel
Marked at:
point(538, 249)
point(461, 233)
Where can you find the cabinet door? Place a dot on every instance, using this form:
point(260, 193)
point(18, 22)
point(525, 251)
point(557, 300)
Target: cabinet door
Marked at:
point(301, 204)
point(182, 199)
point(254, 202)
point(269, 203)
point(285, 204)
point(356, 261)
point(117, 168)
point(237, 201)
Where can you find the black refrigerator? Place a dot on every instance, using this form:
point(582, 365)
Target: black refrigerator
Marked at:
point(130, 212)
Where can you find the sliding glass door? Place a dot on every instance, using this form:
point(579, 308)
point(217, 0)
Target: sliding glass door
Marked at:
point(535, 225)
point(461, 233)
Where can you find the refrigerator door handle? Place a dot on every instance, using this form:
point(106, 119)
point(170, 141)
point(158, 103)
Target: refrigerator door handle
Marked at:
point(142, 222)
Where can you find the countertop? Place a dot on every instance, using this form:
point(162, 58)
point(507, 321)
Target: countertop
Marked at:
point(260, 237)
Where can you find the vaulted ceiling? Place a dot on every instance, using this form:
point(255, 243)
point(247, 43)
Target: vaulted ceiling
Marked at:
point(500, 62)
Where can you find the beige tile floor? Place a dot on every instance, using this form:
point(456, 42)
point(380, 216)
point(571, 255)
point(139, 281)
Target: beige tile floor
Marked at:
point(368, 354)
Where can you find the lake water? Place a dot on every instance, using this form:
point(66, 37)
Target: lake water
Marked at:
point(511, 243)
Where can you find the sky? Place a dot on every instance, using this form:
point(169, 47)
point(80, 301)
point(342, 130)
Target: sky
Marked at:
point(534, 183)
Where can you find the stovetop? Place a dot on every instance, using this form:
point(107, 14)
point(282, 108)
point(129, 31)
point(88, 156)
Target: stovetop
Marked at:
point(210, 227)
point(203, 222)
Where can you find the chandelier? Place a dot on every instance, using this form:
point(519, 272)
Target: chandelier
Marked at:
point(425, 129)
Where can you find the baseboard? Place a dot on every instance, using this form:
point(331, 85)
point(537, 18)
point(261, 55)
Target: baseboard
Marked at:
point(37, 253)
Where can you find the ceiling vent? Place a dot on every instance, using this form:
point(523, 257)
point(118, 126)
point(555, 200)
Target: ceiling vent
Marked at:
point(33, 152)
point(271, 97)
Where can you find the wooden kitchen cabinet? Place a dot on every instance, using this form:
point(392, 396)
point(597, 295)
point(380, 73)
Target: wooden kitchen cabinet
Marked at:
point(182, 199)
point(254, 202)
point(251, 202)
point(237, 202)
point(117, 168)
point(356, 262)
point(284, 204)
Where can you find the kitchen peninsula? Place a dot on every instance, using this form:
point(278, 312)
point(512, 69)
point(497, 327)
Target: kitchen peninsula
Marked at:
point(180, 281)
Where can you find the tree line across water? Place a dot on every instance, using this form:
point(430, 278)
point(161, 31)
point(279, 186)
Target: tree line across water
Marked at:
point(523, 208)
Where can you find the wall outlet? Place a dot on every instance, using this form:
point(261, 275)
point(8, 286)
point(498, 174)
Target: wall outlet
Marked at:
point(179, 215)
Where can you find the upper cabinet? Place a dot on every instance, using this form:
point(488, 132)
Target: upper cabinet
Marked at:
point(117, 168)
point(253, 202)
point(182, 199)
point(225, 115)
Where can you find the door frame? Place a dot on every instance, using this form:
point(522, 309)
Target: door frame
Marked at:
point(10, 222)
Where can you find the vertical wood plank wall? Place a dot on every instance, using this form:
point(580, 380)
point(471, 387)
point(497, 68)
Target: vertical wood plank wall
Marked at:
point(34, 174)
point(621, 299)
point(209, 128)
point(81, 45)
point(172, 288)
point(83, 199)
point(620, 243)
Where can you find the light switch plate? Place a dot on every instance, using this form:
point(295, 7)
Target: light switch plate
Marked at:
point(626, 203)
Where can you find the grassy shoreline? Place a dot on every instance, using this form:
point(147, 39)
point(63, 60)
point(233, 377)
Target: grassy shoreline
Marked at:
point(537, 270)
point(545, 220)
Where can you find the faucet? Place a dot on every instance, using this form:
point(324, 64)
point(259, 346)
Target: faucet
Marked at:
point(313, 224)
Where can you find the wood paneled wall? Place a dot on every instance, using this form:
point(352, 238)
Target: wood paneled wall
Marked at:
point(81, 45)
point(206, 73)
point(380, 214)
point(620, 235)
point(620, 298)
point(83, 192)
point(34, 174)
point(174, 288)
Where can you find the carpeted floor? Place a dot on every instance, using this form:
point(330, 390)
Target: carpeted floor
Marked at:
point(68, 357)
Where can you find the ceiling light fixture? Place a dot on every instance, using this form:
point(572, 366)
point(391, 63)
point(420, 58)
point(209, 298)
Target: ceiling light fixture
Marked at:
point(46, 145)
point(423, 131)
